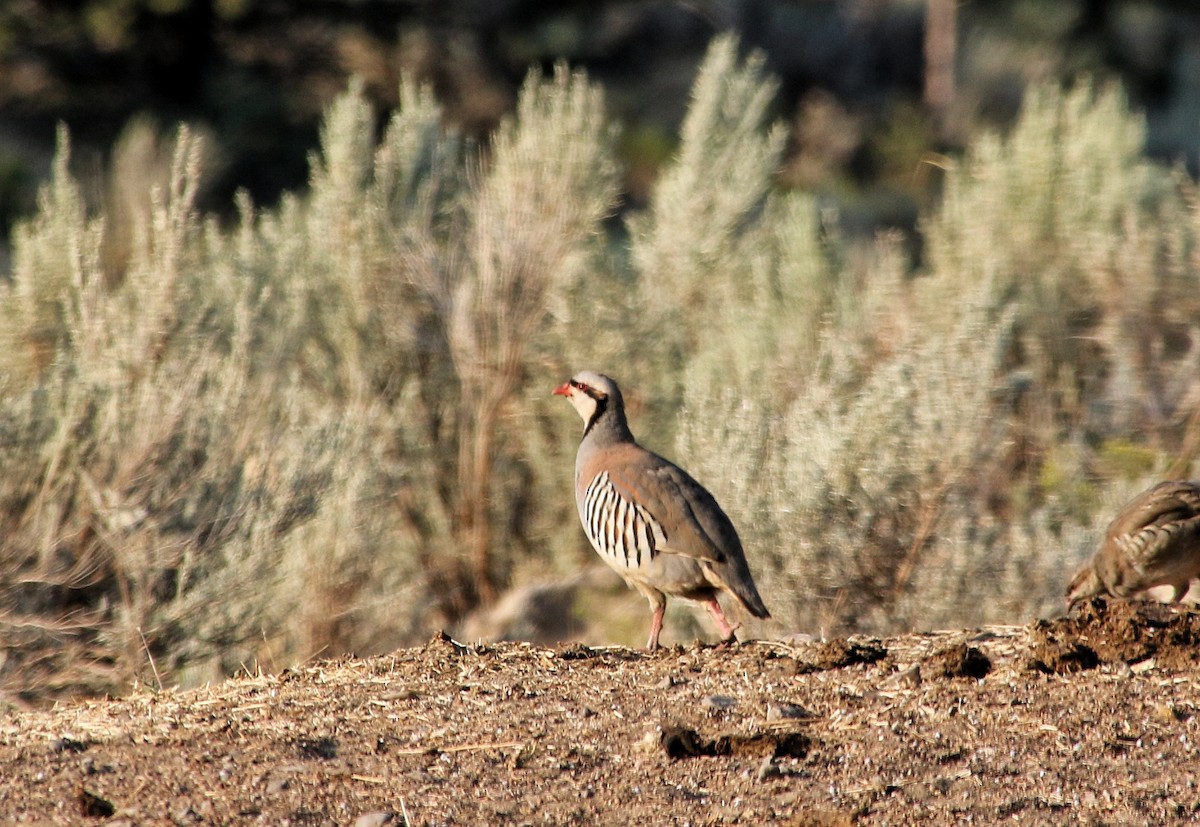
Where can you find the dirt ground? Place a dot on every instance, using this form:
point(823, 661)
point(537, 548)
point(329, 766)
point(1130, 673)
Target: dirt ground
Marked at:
point(1090, 719)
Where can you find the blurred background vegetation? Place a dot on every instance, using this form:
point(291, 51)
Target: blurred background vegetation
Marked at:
point(287, 289)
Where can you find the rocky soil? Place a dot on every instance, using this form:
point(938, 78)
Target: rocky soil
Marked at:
point(1090, 719)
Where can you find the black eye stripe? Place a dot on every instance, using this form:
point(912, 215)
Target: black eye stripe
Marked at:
point(588, 389)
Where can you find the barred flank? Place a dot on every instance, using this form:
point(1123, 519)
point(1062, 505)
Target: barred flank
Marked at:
point(623, 533)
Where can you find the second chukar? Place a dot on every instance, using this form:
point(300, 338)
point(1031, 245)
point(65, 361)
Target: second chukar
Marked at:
point(649, 520)
point(1153, 541)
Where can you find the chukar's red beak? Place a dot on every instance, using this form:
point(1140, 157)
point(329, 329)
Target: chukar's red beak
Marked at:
point(563, 390)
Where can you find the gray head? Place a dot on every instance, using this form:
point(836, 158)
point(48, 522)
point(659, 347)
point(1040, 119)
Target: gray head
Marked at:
point(597, 399)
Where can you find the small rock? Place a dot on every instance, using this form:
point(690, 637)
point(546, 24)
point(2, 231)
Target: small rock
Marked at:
point(718, 703)
point(667, 682)
point(780, 711)
point(374, 819)
point(767, 769)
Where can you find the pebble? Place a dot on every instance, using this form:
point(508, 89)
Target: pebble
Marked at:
point(767, 769)
point(781, 711)
point(718, 703)
point(667, 682)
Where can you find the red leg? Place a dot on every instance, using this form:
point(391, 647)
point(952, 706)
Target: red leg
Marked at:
point(726, 630)
point(656, 623)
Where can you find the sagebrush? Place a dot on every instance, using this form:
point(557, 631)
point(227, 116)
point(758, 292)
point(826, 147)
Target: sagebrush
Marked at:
point(326, 426)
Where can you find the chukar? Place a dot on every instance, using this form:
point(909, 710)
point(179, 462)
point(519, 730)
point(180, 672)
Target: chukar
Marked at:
point(649, 520)
point(1153, 541)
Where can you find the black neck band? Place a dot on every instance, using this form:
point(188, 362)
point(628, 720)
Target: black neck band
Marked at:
point(601, 407)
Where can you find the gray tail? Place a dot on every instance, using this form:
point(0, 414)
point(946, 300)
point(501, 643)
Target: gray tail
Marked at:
point(741, 585)
point(752, 601)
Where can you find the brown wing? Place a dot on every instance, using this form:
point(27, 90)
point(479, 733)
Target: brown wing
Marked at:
point(1164, 503)
point(693, 522)
point(687, 513)
point(1153, 527)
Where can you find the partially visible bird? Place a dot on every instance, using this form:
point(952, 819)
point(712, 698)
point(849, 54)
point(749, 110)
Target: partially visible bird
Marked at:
point(649, 520)
point(1153, 541)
